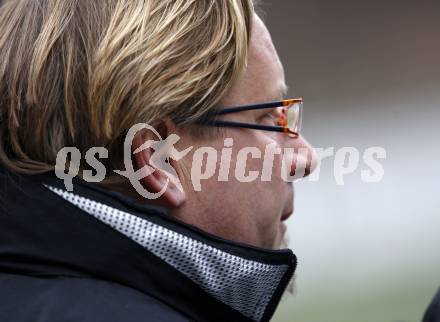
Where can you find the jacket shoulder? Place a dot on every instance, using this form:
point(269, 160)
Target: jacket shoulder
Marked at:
point(433, 312)
point(66, 299)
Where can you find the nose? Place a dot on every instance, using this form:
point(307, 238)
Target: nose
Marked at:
point(300, 157)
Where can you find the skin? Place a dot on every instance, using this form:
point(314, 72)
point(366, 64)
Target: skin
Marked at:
point(251, 213)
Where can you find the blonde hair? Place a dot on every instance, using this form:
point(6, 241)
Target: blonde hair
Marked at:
point(81, 73)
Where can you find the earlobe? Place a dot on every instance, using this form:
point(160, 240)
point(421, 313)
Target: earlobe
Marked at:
point(164, 177)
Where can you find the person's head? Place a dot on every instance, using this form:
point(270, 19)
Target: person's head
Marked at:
point(250, 212)
point(80, 73)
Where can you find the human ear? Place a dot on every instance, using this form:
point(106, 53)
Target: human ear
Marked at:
point(151, 152)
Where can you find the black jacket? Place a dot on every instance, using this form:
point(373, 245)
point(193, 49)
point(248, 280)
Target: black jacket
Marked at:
point(93, 255)
point(433, 312)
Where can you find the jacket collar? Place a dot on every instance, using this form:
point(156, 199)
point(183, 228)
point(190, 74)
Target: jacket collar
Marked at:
point(91, 232)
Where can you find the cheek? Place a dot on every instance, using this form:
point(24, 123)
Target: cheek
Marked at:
point(262, 163)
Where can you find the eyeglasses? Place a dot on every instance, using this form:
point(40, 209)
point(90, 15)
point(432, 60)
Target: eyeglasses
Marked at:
point(288, 118)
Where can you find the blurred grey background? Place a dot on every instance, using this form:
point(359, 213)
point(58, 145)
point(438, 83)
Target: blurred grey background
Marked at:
point(369, 72)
